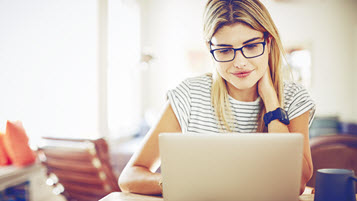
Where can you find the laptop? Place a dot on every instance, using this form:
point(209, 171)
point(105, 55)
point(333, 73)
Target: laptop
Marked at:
point(231, 167)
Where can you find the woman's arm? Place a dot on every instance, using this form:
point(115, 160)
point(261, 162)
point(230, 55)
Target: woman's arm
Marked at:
point(299, 124)
point(138, 175)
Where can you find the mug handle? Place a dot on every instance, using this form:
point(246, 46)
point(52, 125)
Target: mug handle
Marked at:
point(354, 178)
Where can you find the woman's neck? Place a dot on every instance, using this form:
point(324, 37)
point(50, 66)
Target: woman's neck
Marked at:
point(246, 95)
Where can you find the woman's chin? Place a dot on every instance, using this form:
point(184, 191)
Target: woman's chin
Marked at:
point(242, 85)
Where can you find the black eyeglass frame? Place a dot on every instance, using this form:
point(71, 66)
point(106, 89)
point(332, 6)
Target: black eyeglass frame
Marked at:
point(240, 49)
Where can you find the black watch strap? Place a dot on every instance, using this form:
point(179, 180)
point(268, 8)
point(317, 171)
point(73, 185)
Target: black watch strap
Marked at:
point(279, 114)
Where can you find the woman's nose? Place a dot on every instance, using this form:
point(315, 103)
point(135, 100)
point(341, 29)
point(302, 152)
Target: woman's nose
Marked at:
point(239, 60)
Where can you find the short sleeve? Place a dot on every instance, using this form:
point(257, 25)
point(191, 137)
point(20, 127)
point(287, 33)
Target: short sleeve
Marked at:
point(298, 101)
point(180, 101)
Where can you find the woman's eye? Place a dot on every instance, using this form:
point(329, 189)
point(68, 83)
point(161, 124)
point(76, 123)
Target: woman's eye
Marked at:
point(224, 51)
point(251, 46)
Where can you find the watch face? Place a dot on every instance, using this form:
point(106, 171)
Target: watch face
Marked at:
point(279, 114)
point(282, 116)
point(285, 116)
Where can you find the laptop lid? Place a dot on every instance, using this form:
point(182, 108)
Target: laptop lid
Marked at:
point(247, 167)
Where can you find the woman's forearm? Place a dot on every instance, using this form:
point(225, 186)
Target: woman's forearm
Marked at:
point(140, 180)
point(306, 174)
point(276, 126)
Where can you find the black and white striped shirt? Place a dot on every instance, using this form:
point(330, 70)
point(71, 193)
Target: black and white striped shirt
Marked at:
point(191, 103)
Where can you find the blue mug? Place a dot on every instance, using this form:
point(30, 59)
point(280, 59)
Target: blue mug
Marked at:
point(335, 185)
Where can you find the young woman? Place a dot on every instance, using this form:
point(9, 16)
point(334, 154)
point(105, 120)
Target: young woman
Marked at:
point(245, 93)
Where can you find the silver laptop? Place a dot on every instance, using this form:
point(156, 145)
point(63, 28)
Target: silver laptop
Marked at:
point(231, 167)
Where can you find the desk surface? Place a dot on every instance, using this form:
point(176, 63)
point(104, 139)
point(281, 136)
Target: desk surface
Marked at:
point(117, 196)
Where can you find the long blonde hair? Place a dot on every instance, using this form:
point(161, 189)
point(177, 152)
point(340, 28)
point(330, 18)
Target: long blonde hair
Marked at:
point(219, 13)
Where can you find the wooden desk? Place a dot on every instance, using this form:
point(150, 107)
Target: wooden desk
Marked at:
point(117, 196)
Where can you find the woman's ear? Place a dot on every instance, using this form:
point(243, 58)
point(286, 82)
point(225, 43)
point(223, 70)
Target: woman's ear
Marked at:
point(269, 39)
point(208, 45)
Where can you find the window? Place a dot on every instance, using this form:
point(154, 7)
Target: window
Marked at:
point(299, 59)
point(48, 65)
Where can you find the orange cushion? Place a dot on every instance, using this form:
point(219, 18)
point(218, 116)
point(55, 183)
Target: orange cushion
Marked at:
point(4, 158)
point(16, 144)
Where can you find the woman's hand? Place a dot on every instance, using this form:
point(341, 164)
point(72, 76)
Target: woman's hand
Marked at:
point(267, 91)
point(265, 84)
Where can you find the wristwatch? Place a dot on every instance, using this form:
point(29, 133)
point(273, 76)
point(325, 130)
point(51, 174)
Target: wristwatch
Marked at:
point(279, 114)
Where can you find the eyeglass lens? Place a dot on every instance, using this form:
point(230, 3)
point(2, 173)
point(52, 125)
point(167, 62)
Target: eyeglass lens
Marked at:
point(249, 51)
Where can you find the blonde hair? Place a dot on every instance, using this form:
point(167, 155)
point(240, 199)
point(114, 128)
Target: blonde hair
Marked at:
point(219, 13)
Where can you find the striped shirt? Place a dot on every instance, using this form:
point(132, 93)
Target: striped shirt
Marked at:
point(191, 103)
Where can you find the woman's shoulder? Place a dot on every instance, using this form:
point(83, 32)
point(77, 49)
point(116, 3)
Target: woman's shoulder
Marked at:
point(292, 88)
point(201, 82)
point(204, 79)
point(194, 85)
point(295, 92)
point(297, 100)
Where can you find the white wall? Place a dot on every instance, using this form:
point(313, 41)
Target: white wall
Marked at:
point(48, 66)
point(329, 27)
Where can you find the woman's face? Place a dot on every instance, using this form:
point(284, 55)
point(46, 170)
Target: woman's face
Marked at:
point(241, 73)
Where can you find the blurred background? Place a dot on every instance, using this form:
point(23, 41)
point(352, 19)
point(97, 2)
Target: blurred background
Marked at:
point(101, 68)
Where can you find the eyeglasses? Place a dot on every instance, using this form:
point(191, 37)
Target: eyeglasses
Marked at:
point(249, 51)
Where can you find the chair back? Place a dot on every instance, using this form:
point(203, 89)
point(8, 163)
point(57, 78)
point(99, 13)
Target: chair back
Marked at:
point(78, 168)
point(333, 151)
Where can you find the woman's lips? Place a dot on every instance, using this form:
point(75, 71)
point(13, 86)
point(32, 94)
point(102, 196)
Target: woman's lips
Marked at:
point(242, 74)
